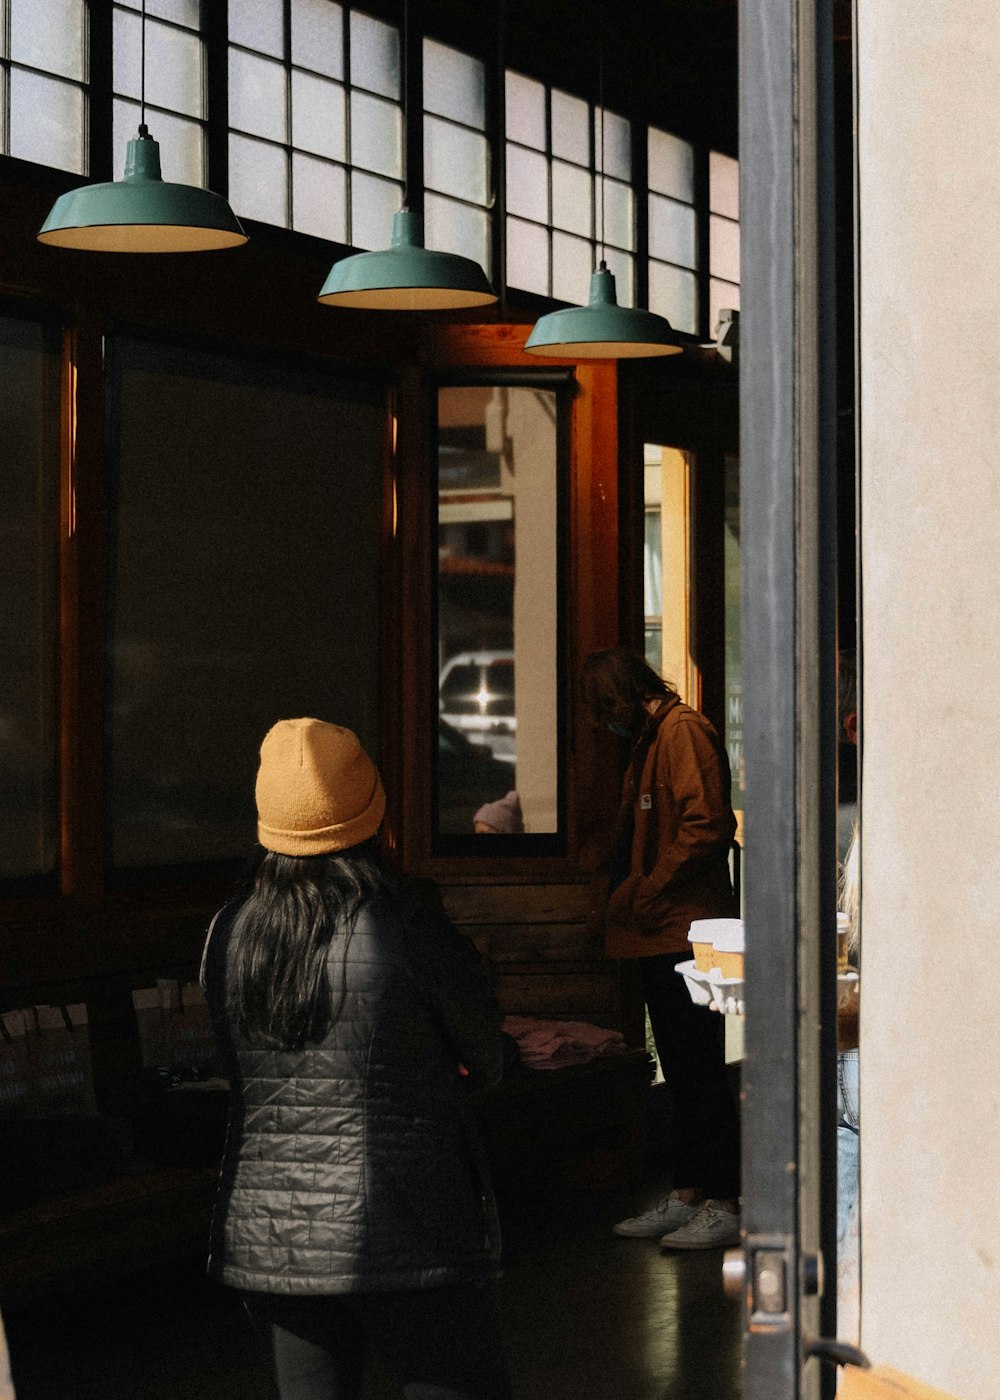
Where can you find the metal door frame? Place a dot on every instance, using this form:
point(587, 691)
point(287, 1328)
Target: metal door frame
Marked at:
point(788, 529)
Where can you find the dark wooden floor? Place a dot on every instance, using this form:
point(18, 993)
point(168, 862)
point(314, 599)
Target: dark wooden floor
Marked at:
point(587, 1316)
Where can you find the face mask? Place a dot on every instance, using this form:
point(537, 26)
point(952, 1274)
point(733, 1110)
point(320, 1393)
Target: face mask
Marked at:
point(621, 730)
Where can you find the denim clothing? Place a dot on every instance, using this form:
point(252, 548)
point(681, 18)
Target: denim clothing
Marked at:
point(848, 1140)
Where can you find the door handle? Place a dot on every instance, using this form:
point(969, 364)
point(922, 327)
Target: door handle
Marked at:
point(767, 1276)
point(840, 1353)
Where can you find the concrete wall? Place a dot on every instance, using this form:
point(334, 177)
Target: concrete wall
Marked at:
point(929, 136)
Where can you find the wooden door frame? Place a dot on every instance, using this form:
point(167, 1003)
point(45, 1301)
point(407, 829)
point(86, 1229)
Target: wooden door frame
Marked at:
point(591, 613)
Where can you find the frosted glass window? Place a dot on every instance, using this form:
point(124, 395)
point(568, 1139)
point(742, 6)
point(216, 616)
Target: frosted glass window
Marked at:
point(258, 180)
point(723, 185)
point(570, 128)
point(617, 159)
point(376, 134)
point(318, 36)
point(182, 143)
point(724, 248)
point(572, 264)
point(572, 198)
point(182, 641)
point(373, 204)
point(49, 34)
point(374, 55)
point(619, 216)
point(455, 160)
point(319, 198)
point(527, 183)
point(258, 24)
point(457, 228)
point(671, 165)
point(454, 85)
point(721, 295)
point(527, 256)
point(318, 116)
point(623, 267)
point(173, 64)
point(186, 12)
point(47, 121)
point(525, 104)
point(29, 599)
point(674, 293)
point(257, 95)
point(672, 231)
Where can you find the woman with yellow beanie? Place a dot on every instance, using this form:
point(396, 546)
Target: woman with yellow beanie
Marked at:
point(354, 1207)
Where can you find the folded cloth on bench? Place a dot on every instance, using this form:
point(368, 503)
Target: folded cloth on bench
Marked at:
point(554, 1044)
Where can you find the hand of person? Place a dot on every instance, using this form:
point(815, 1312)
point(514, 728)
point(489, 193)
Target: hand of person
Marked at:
point(620, 902)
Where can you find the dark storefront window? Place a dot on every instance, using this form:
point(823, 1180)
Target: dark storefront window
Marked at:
point(244, 586)
point(29, 605)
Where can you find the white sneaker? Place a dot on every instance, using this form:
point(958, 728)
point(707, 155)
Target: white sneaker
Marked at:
point(712, 1227)
point(667, 1215)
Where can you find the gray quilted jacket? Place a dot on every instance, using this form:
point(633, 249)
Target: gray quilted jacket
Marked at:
point(353, 1165)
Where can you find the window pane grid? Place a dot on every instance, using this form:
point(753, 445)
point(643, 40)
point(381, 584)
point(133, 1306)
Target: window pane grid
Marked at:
point(44, 82)
point(723, 236)
point(322, 117)
point(176, 92)
point(333, 117)
point(175, 63)
point(568, 177)
point(457, 181)
point(674, 228)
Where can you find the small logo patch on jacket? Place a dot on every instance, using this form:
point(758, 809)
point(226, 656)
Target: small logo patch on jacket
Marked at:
point(646, 801)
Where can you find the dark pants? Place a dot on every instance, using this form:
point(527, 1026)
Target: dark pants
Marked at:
point(706, 1126)
point(441, 1343)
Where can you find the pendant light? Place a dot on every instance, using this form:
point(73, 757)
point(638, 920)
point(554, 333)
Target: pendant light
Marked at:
point(602, 329)
point(142, 213)
point(406, 276)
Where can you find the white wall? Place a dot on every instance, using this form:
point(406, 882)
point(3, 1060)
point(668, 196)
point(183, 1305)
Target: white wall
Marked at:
point(929, 137)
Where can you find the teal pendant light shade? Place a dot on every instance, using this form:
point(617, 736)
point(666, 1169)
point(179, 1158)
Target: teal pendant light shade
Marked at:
point(407, 276)
point(602, 330)
point(142, 213)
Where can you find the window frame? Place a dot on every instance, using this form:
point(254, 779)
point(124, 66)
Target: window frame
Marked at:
point(53, 327)
point(481, 40)
point(536, 845)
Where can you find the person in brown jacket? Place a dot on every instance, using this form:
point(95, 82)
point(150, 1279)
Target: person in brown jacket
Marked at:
point(670, 866)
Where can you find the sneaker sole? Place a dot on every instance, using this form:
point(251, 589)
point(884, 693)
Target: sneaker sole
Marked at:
point(668, 1242)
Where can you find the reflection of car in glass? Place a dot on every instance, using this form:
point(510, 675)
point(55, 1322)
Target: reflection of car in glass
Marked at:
point(476, 690)
point(468, 776)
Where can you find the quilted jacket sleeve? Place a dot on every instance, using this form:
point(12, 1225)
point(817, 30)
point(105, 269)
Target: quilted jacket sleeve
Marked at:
point(455, 980)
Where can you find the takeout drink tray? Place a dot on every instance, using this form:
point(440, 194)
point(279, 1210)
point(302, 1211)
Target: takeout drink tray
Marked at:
point(725, 994)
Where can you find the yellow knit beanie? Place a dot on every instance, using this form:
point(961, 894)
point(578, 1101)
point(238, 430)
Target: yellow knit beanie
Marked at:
point(317, 789)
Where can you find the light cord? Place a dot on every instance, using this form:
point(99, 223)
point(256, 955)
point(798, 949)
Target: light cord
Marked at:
point(405, 79)
point(142, 75)
point(600, 86)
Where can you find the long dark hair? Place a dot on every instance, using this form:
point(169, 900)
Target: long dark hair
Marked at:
point(615, 684)
point(278, 987)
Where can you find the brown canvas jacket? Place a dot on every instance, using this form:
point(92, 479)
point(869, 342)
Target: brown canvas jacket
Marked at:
point(677, 794)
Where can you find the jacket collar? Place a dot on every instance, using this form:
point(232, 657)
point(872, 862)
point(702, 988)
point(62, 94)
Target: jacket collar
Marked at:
point(653, 722)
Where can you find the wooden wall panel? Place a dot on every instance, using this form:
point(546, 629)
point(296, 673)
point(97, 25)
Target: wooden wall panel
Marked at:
point(516, 904)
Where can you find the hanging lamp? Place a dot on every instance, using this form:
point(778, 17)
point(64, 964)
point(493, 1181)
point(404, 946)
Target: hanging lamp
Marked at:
point(142, 213)
point(602, 330)
point(407, 276)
